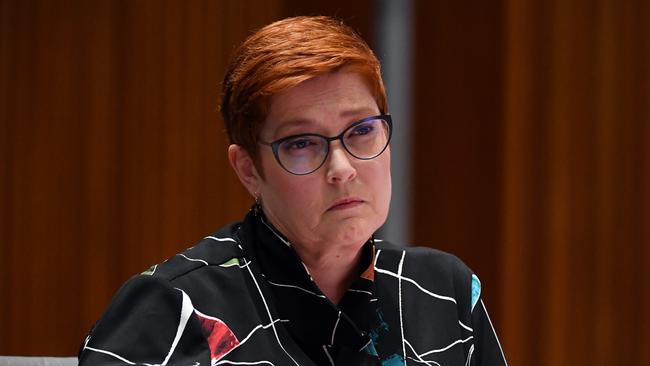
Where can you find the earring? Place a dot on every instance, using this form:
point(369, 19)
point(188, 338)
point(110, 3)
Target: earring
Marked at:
point(257, 206)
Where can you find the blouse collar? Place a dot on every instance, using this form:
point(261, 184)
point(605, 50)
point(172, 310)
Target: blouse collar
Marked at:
point(314, 321)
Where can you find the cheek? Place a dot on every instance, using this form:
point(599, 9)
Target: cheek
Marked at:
point(383, 187)
point(292, 195)
point(386, 191)
point(382, 175)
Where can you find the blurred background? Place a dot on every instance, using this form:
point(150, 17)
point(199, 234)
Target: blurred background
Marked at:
point(524, 150)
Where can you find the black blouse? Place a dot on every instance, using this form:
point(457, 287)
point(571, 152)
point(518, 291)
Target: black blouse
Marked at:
point(242, 296)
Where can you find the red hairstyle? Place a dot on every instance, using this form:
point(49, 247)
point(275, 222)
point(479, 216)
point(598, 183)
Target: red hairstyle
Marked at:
point(282, 55)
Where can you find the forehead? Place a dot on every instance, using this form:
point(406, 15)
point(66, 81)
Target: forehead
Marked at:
point(326, 102)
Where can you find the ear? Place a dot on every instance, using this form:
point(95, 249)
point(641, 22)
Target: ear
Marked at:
point(242, 164)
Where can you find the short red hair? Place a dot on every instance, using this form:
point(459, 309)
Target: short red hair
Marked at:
point(282, 55)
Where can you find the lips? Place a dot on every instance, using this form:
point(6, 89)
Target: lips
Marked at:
point(346, 203)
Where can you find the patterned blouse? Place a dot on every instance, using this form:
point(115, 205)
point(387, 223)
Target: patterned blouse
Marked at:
point(242, 296)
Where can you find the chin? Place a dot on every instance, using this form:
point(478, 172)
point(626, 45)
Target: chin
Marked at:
point(356, 231)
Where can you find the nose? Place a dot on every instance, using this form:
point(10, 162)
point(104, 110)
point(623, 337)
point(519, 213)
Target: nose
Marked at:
point(339, 166)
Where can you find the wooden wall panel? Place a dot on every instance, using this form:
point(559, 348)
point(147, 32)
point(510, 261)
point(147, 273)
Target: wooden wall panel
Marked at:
point(360, 14)
point(113, 152)
point(43, 176)
point(456, 125)
point(531, 160)
point(575, 182)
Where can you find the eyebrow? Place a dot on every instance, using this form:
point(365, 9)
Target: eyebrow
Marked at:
point(362, 111)
point(358, 112)
point(291, 124)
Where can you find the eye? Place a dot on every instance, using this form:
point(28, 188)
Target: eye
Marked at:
point(362, 129)
point(301, 143)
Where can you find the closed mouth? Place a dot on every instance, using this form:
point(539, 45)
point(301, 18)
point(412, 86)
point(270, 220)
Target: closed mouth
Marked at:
point(346, 203)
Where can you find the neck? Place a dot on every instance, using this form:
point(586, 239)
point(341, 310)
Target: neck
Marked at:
point(332, 267)
point(334, 270)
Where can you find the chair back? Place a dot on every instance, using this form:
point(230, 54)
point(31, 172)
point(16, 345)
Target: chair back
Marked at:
point(37, 361)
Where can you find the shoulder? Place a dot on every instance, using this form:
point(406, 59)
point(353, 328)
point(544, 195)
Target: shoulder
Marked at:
point(433, 260)
point(214, 249)
point(165, 285)
point(205, 284)
point(439, 289)
point(213, 274)
point(429, 268)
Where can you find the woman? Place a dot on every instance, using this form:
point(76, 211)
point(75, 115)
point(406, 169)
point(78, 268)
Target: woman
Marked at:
point(302, 280)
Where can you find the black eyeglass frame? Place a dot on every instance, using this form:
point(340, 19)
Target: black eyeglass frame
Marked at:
point(275, 144)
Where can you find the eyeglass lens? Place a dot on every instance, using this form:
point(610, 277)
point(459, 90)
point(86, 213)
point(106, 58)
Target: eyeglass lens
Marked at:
point(306, 153)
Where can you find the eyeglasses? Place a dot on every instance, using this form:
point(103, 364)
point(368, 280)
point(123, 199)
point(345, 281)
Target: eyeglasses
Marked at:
point(305, 153)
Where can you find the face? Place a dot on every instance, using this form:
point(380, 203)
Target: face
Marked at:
point(346, 200)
